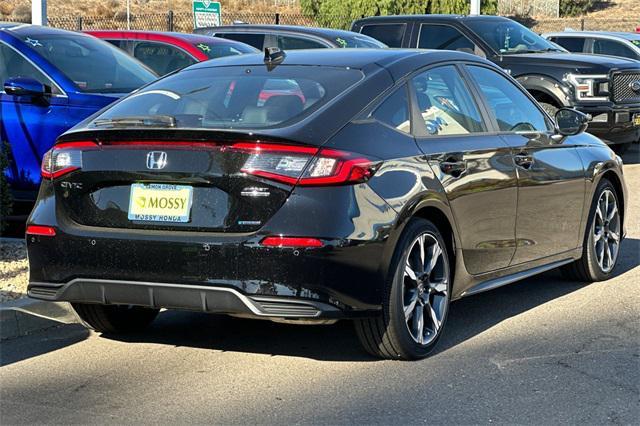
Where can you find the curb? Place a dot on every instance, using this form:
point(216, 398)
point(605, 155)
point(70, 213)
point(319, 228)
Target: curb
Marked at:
point(25, 316)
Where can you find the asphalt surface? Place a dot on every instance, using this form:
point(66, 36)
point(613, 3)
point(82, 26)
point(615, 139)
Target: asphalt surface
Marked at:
point(540, 351)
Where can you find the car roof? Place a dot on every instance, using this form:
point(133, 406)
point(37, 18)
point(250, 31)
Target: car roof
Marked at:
point(398, 61)
point(430, 17)
point(617, 34)
point(134, 34)
point(30, 30)
point(316, 31)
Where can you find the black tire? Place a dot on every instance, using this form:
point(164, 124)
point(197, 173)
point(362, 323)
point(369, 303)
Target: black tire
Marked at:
point(388, 336)
point(620, 148)
point(587, 268)
point(551, 109)
point(115, 318)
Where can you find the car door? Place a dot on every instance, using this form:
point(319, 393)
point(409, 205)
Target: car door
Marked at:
point(474, 165)
point(446, 37)
point(551, 183)
point(572, 44)
point(29, 125)
point(613, 48)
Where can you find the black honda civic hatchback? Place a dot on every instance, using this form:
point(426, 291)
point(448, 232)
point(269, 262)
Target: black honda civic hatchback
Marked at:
point(312, 186)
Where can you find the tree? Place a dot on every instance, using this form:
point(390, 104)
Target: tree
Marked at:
point(575, 7)
point(340, 13)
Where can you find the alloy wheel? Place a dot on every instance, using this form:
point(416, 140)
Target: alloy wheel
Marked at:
point(606, 231)
point(425, 288)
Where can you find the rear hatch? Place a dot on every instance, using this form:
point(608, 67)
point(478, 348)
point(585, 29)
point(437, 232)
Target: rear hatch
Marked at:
point(224, 184)
point(167, 185)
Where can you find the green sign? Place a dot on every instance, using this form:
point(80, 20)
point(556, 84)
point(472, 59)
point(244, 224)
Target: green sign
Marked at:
point(206, 14)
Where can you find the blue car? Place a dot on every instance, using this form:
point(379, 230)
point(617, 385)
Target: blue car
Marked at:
point(50, 80)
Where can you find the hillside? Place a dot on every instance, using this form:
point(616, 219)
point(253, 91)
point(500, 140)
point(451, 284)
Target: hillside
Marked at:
point(111, 8)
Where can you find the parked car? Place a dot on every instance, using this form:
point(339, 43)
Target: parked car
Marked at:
point(51, 80)
point(290, 37)
point(167, 52)
point(626, 45)
point(405, 179)
point(603, 87)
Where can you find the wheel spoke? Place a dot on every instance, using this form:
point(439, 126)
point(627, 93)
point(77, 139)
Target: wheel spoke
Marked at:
point(434, 319)
point(410, 272)
point(614, 236)
point(598, 236)
point(439, 287)
point(418, 324)
point(611, 215)
point(601, 254)
point(435, 254)
point(599, 214)
point(410, 308)
point(421, 244)
point(609, 257)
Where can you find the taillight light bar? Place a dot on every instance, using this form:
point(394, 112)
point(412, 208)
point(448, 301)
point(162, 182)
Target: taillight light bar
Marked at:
point(304, 166)
point(64, 158)
point(295, 242)
point(45, 231)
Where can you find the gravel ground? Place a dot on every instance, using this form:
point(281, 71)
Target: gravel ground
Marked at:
point(14, 269)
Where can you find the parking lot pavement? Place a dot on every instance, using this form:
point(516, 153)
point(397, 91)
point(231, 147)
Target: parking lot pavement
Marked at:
point(540, 351)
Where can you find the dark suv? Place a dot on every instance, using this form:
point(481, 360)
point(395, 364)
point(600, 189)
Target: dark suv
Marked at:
point(605, 87)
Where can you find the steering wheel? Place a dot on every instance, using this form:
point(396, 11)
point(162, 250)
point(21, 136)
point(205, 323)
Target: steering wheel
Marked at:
point(522, 126)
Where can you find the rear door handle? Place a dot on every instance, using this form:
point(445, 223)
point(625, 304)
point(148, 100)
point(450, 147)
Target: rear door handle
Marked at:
point(523, 160)
point(453, 166)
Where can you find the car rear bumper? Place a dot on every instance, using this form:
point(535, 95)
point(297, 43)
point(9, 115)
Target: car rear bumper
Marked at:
point(221, 300)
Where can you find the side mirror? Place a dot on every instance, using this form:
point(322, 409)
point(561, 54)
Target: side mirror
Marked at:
point(570, 122)
point(23, 86)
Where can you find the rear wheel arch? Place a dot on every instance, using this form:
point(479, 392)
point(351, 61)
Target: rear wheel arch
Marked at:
point(612, 177)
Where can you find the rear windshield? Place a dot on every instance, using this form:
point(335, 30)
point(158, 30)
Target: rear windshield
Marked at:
point(218, 50)
point(358, 41)
point(95, 66)
point(234, 97)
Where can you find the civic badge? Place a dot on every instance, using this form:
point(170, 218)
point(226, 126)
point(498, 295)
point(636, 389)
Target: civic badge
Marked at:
point(635, 86)
point(156, 160)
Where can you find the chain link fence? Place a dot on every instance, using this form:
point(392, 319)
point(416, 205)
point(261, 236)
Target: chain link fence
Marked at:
point(183, 22)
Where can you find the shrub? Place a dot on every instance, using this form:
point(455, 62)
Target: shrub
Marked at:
point(5, 194)
point(576, 7)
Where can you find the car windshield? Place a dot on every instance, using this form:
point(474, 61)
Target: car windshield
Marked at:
point(510, 37)
point(95, 66)
point(218, 50)
point(358, 41)
point(233, 97)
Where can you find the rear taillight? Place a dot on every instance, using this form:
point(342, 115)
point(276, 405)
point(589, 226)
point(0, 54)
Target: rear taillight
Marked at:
point(304, 166)
point(63, 158)
point(300, 242)
point(45, 231)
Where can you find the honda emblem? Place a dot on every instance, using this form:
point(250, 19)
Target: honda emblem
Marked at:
point(156, 160)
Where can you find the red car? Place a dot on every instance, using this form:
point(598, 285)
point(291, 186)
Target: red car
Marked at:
point(165, 52)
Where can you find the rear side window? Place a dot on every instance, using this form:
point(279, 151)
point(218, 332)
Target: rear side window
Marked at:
point(572, 44)
point(162, 58)
point(292, 43)
point(513, 110)
point(389, 34)
point(445, 103)
point(614, 48)
point(394, 111)
point(444, 37)
point(233, 97)
point(255, 40)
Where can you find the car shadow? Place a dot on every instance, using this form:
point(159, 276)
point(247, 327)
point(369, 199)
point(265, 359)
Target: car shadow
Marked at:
point(468, 317)
point(632, 156)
